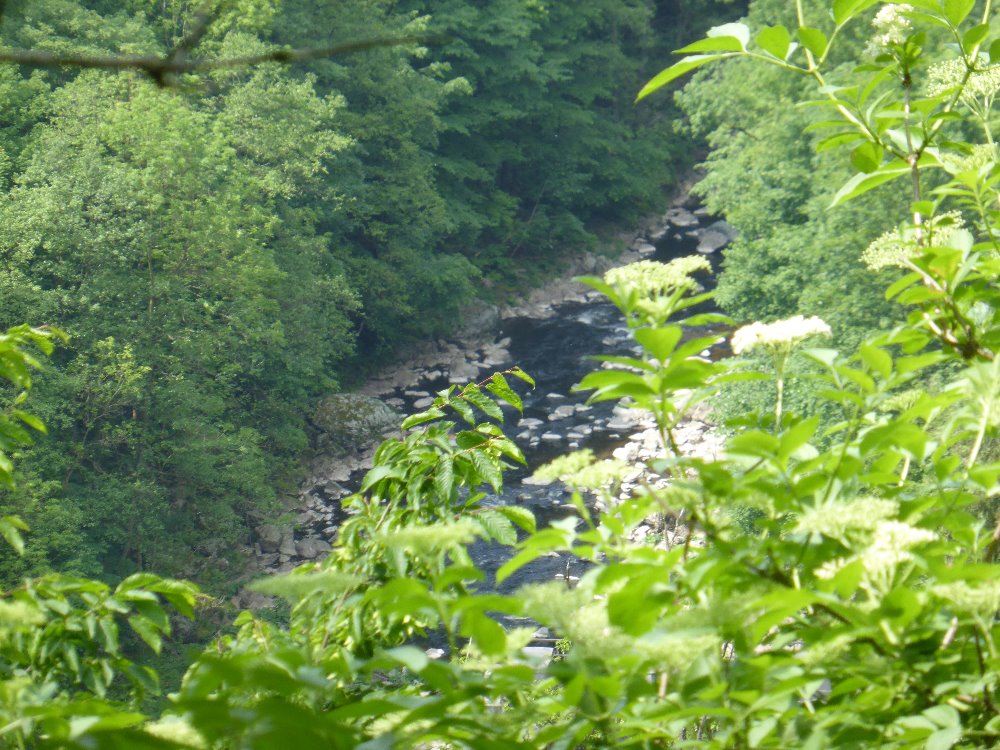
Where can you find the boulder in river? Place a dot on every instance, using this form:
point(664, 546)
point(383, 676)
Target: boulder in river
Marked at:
point(709, 241)
point(480, 321)
point(350, 422)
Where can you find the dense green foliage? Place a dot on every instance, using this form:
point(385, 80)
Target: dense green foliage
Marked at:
point(225, 251)
point(854, 605)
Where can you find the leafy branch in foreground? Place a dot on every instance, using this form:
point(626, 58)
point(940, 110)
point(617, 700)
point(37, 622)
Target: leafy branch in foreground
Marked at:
point(165, 69)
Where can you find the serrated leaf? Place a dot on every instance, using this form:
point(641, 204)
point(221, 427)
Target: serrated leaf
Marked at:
point(10, 529)
point(423, 417)
point(463, 409)
point(499, 387)
point(523, 517)
point(148, 631)
point(484, 403)
point(498, 526)
point(517, 372)
point(488, 468)
point(444, 477)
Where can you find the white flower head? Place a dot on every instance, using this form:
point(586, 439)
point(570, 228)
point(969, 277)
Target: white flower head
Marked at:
point(780, 335)
point(581, 471)
point(891, 27)
point(898, 245)
point(981, 83)
point(841, 520)
point(982, 599)
point(652, 279)
point(891, 547)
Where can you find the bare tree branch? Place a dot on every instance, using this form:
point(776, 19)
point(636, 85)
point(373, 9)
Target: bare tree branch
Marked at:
point(163, 69)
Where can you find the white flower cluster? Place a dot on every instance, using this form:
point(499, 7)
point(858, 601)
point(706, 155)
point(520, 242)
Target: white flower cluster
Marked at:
point(577, 614)
point(982, 600)
point(840, 520)
point(677, 651)
point(890, 545)
point(433, 538)
point(944, 76)
point(897, 245)
point(982, 155)
point(581, 471)
point(824, 652)
point(782, 334)
point(651, 278)
point(891, 27)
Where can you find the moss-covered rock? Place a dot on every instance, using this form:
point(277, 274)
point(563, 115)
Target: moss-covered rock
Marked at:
point(350, 422)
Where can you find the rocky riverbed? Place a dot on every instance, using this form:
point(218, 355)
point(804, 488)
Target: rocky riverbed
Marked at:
point(550, 335)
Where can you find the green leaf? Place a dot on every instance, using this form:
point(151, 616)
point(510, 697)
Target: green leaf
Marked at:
point(482, 402)
point(463, 409)
point(497, 526)
point(410, 657)
point(713, 44)
point(517, 372)
point(488, 468)
point(877, 359)
point(775, 40)
point(759, 731)
point(679, 68)
point(10, 529)
point(29, 419)
point(943, 739)
point(444, 477)
point(499, 387)
point(520, 516)
point(867, 157)
point(659, 342)
point(739, 31)
point(975, 36)
point(845, 10)
point(957, 10)
point(863, 182)
point(148, 631)
point(813, 40)
point(995, 51)
point(425, 416)
point(379, 473)
point(487, 634)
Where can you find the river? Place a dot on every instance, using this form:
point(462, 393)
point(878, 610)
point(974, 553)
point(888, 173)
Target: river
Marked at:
point(557, 351)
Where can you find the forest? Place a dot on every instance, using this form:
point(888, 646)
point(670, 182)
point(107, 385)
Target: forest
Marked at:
point(224, 252)
point(198, 246)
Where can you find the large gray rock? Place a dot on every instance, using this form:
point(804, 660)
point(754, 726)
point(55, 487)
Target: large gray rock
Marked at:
point(311, 548)
point(350, 422)
point(480, 322)
point(709, 241)
point(725, 228)
point(269, 538)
